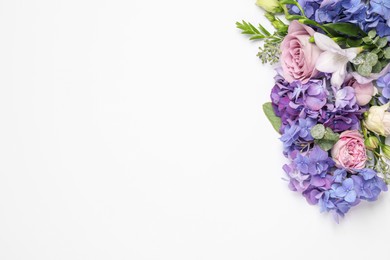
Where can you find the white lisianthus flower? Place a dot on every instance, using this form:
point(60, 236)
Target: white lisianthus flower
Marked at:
point(378, 120)
point(271, 6)
point(334, 59)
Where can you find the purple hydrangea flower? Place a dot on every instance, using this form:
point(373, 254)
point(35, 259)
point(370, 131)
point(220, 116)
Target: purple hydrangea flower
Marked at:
point(345, 98)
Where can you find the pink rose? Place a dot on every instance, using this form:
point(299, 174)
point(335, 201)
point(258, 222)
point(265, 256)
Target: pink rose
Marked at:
point(299, 56)
point(363, 92)
point(349, 152)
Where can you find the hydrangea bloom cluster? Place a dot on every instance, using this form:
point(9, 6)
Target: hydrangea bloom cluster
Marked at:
point(331, 97)
point(374, 14)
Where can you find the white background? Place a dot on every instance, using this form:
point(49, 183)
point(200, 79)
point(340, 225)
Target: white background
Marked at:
point(133, 129)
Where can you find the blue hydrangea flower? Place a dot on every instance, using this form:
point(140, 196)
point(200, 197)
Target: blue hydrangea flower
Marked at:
point(368, 15)
point(347, 192)
point(383, 84)
point(381, 7)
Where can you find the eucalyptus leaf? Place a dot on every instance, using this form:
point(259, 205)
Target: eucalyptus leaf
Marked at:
point(318, 131)
point(367, 40)
point(387, 53)
point(325, 145)
point(382, 42)
point(377, 68)
point(372, 34)
point(364, 69)
point(330, 135)
point(371, 59)
point(272, 117)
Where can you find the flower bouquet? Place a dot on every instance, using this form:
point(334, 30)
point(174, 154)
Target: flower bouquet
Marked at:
point(331, 96)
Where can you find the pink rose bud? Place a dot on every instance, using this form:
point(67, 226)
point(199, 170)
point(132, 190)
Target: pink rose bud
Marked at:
point(349, 152)
point(363, 92)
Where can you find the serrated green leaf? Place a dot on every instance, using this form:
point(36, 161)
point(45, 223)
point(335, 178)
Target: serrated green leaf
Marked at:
point(270, 114)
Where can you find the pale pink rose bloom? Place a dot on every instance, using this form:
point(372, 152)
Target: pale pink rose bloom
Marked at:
point(349, 152)
point(363, 92)
point(299, 56)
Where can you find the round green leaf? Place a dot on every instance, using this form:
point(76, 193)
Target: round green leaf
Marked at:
point(364, 70)
point(318, 131)
point(371, 59)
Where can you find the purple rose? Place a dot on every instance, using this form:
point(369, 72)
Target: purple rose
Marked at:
point(299, 56)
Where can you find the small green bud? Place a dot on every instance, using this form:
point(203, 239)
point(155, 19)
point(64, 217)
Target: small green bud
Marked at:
point(271, 6)
point(386, 150)
point(371, 143)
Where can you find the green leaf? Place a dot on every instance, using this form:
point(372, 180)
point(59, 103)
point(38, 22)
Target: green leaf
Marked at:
point(345, 29)
point(330, 135)
point(387, 53)
point(382, 42)
point(367, 40)
point(328, 140)
point(318, 131)
point(354, 43)
point(372, 34)
point(364, 69)
point(377, 68)
point(371, 59)
point(264, 31)
point(270, 114)
point(325, 144)
point(288, 2)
